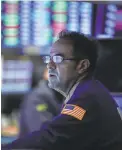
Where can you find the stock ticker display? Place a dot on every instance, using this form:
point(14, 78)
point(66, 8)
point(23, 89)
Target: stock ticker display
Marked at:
point(37, 23)
point(16, 75)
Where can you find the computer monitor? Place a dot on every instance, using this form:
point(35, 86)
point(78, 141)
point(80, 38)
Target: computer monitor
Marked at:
point(16, 76)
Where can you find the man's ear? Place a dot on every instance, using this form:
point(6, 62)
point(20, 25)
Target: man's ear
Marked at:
point(83, 65)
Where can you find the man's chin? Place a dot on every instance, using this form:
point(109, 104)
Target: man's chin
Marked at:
point(57, 88)
point(52, 86)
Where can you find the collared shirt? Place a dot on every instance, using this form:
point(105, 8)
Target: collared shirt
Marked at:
point(72, 90)
point(71, 93)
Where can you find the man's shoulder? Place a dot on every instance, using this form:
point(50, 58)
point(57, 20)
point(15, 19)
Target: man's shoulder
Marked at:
point(85, 89)
point(90, 90)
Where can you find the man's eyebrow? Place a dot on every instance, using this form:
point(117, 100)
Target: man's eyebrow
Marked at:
point(58, 54)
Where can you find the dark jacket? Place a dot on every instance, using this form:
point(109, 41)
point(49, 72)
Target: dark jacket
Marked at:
point(39, 106)
point(89, 121)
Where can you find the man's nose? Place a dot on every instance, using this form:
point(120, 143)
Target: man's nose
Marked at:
point(51, 65)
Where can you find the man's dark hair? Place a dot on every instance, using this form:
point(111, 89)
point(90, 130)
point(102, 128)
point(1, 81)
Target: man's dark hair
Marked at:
point(83, 47)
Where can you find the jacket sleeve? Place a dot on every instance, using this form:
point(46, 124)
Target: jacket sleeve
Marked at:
point(63, 129)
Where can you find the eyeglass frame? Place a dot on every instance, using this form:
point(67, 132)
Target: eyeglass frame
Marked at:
point(51, 58)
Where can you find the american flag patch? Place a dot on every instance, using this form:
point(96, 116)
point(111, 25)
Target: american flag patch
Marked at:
point(74, 111)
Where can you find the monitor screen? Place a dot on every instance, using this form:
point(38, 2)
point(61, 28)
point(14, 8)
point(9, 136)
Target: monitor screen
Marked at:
point(36, 23)
point(16, 76)
point(118, 99)
point(108, 23)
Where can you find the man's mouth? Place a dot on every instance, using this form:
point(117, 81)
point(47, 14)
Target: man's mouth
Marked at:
point(52, 75)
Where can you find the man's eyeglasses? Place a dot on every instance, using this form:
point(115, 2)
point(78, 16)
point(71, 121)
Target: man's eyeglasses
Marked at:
point(56, 59)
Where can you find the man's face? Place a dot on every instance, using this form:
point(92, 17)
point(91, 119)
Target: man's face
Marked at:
point(62, 74)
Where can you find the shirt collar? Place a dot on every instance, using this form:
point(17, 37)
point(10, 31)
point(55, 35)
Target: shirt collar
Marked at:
point(72, 90)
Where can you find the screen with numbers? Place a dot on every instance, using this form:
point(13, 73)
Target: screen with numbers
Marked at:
point(36, 23)
point(16, 76)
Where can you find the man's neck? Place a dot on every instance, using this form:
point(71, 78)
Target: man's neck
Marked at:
point(66, 91)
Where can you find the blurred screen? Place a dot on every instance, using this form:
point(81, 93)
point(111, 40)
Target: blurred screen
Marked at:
point(16, 76)
point(108, 21)
point(118, 100)
point(37, 23)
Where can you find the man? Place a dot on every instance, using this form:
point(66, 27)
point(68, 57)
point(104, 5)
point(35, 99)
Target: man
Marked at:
point(89, 119)
point(39, 106)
